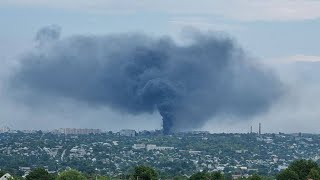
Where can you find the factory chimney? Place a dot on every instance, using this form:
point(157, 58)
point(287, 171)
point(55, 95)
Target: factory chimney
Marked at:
point(259, 128)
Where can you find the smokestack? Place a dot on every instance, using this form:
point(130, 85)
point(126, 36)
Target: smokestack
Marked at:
point(251, 130)
point(259, 128)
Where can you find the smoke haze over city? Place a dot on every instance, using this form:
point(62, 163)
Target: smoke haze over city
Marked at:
point(132, 73)
point(218, 71)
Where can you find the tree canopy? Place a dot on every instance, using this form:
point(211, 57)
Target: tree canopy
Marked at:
point(303, 167)
point(287, 174)
point(40, 173)
point(145, 173)
point(207, 176)
point(255, 177)
point(71, 175)
point(314, 174)
point(300, 170)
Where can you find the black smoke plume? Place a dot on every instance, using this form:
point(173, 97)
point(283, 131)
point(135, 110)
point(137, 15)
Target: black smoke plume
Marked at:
point(133, 73)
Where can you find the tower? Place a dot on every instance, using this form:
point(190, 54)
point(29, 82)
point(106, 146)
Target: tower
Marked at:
point(251, 130)
point(259, 128)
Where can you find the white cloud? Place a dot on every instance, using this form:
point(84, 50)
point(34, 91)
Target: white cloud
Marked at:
point(244, 10)
point(293, 58)
point(301, 57)
point(204, 24)
point(271, 10)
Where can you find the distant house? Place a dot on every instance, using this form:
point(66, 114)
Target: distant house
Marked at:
point(77, 131)
point(155, 147)
point(6, 176)
point(151, 147)
point(127, 132)
point(139, 146)
point(236, 176)
point(4, 129)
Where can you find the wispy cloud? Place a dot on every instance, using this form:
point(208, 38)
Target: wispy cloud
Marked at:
point(294, 58)
point(245, 10)
point(203, 23)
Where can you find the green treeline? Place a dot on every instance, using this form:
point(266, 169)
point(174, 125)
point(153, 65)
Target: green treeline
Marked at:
point(297, 170)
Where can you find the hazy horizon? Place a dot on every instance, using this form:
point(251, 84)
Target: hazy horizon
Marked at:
point(277, 41)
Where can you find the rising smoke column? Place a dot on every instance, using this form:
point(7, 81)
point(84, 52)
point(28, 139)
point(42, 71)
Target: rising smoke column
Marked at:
point(134, 73)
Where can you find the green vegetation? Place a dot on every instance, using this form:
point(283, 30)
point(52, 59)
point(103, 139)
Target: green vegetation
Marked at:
point(314, 174)
point(255, 177)
point(300, 170)
point(2, 173)
point(71, 175)
point(208, 176)
point(297, 170)
point(101, 156)
point(287, 174)
point(40, 173)
point(145, 173)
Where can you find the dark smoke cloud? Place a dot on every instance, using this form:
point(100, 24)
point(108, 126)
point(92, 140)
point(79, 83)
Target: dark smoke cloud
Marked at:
point(134, 73)
point(48, 34)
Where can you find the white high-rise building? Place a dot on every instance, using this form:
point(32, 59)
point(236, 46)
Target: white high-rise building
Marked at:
point(127, 132)
point(4, 129)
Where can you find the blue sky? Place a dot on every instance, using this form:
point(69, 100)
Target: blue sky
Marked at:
point(276, 31)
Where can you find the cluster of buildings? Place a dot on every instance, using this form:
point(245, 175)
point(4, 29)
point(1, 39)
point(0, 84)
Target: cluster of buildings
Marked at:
point(149, 147)
point(181, 154)
point(77, 131)
point(4, 129)
point(127, 132)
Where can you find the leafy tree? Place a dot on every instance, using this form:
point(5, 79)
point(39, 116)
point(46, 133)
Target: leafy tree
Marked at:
point(2, 173)
point(217, 176)
point(102, 178)
point(314, 174)
point(39, 173)
point(255, 177)
point(200, 176)
point(16, 178)
point(97, 177)
point(303, 167)
point(71, 175)
point(145, 173)
point(180, 178)
point(207, 176)
point(287, 174)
